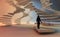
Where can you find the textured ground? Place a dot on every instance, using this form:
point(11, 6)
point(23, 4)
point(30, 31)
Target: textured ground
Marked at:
point(14, 31)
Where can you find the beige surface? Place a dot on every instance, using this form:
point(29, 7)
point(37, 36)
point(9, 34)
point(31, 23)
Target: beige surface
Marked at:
point(22, 32)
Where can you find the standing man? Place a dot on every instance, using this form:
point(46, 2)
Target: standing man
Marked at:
point(38, 20)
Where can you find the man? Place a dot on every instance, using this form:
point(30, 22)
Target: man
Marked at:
point(38, 20)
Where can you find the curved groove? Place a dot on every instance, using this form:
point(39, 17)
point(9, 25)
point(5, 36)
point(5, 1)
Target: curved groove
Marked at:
point(7, 15)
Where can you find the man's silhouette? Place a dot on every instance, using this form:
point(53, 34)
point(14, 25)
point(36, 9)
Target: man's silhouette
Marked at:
point(38, 20)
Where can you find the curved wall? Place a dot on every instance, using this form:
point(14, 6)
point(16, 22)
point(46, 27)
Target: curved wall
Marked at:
point(56, 4)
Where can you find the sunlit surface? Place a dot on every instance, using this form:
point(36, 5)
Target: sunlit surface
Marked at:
point(2, 24)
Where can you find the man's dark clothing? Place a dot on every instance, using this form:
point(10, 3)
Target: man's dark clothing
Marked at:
point(38, 20)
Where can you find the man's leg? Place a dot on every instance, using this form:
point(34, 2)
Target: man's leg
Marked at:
point(38, 26)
